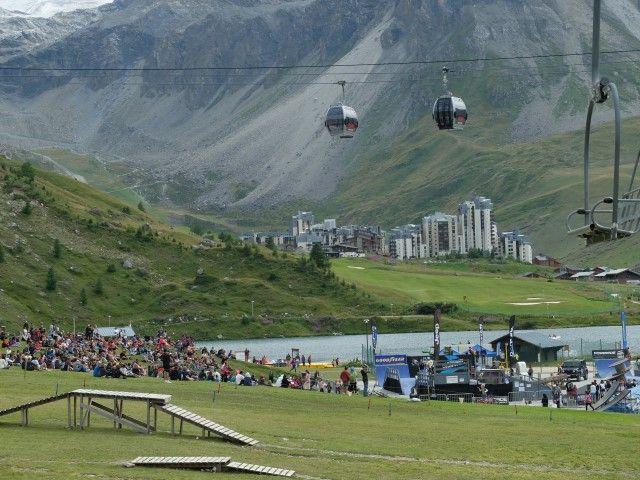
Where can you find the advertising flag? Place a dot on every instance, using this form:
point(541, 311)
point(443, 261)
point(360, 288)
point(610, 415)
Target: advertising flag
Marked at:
point(512, 324)
point(436, 333)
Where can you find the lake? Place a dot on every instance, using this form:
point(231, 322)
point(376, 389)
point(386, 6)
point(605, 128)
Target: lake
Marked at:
point(325, 348)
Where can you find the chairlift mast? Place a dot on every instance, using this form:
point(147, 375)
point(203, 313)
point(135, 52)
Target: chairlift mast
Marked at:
point(602, 88)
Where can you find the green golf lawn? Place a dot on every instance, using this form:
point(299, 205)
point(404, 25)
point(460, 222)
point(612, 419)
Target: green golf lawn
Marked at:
point(320, 436)
point(486, 293)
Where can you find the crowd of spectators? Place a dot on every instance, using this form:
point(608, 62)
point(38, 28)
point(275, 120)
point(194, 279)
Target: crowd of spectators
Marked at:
point(118, 356)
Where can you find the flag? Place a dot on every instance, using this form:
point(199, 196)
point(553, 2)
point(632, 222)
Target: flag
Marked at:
point(374, 336)
point(623, 320)
point(436, 334)
point(512, 324)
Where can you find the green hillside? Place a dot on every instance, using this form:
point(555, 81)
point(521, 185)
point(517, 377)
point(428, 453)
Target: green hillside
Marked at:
point(133, 268)
point(533, 185)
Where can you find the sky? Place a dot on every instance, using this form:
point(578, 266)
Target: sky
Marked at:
point(48, 8)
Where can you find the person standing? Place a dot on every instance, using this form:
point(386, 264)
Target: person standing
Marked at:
point(353, 381)
point(365, 379)
point(557, 395)
point(344, 379)
point(530, 372)
point(166, 365)
point(246, 355)
point(545, 400)
point(588, 401)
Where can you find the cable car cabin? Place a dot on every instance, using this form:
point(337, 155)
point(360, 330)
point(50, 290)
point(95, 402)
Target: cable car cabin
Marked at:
point(450, 113)
point(341, 120)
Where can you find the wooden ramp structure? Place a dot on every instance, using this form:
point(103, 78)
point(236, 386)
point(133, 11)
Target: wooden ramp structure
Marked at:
point(187, 463)
point(216, 464)
point(258, 469)
point(81, 403)
point(24, 408)
point(208, 427)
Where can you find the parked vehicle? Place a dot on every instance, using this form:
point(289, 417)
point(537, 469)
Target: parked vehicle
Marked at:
point(576, 369)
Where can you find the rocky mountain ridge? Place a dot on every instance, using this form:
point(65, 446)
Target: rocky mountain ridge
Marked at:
point(253, 138)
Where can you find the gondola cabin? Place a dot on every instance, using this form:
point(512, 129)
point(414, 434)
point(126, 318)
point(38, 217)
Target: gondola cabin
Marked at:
point(341, 121)
point(450, 113)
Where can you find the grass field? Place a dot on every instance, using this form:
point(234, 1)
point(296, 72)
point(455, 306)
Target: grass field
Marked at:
point(498, 293)
point(320, 436)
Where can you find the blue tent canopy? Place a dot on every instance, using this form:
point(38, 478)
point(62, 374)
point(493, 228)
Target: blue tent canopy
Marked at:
point(479, 349)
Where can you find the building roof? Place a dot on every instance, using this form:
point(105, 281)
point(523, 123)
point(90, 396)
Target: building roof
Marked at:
point(113, 331)
point(582, 274)
point(614, 272)
point(534, 338)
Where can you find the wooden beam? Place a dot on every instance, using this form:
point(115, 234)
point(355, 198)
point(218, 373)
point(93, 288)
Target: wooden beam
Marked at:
point(109, 414)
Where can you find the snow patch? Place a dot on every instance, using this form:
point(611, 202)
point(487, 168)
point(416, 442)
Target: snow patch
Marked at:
point(48, 8)
point(522, 304)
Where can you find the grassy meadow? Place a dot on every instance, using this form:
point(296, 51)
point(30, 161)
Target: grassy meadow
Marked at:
point(499, 292)
point(320, 436)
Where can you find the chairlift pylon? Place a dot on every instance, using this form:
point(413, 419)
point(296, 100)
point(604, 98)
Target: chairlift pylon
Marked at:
point(619, 214)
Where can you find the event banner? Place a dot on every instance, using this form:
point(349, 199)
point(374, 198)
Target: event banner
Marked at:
point(395, 362)
point(388, 360)
point(436, 333)
point(603, 359)
point(512, 324)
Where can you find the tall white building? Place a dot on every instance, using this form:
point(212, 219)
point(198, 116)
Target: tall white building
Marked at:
point(476, 227)
point(440, 235)
point(515, 245)
point(406, 242)
point(301, 223)
point(329, 223)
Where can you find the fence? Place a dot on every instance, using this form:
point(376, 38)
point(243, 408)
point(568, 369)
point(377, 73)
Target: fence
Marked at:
point(449, 397)
point(529, 397)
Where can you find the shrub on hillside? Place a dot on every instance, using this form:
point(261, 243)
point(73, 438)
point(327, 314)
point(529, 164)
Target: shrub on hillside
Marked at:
point(57, 249)
point(429, 308)
point(51, 282)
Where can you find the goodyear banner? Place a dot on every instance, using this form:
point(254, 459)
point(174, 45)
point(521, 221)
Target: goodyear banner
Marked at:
point(396, 362)
point(387, 360)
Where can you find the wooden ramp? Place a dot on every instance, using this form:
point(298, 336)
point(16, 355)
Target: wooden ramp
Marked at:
point(24, 408)
point(207, 426)
point(258, 469)
point(190, 463)
point(217, 464)
point(36, 403)
point(154, 398)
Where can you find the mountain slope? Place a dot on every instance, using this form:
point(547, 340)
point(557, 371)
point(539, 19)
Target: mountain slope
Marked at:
point(135, 269)
point(251, 140)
